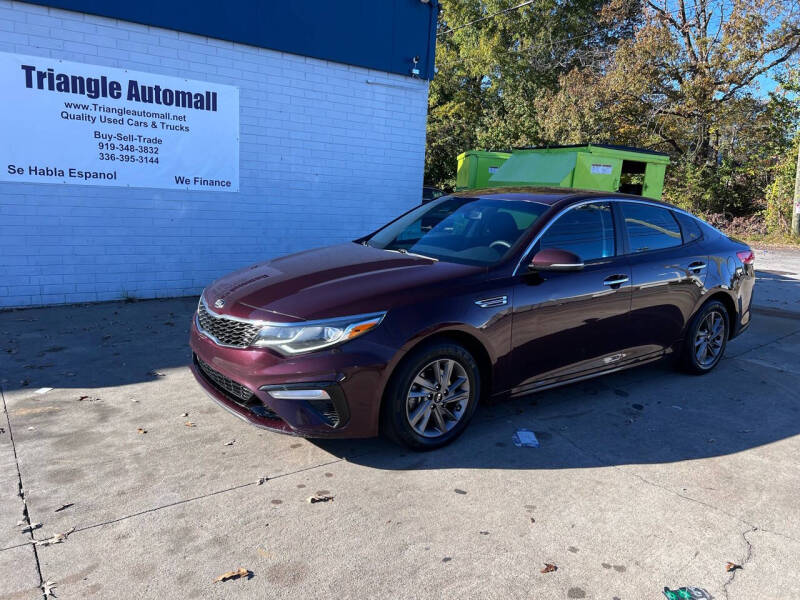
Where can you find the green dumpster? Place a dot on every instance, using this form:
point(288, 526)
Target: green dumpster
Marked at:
point(599, 167)
point(475, 167)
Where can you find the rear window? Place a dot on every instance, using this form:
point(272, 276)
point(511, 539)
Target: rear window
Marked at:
point(650, 227)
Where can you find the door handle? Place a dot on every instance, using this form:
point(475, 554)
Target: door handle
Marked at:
point(697, 266)
point(615, 280)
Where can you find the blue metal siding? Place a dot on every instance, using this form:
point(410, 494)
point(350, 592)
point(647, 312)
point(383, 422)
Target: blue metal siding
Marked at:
point(378, 34)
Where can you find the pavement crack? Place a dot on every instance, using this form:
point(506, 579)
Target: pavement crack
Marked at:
point(748, 555)
point(21, 492)
point(646, 481)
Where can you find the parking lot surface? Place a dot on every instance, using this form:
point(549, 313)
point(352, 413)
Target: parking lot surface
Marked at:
point(643, 479)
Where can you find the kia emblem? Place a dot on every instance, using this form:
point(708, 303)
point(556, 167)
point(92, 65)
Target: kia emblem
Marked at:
point(219, 303)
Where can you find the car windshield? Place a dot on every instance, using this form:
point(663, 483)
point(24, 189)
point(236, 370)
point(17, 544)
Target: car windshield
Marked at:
point(473, 231)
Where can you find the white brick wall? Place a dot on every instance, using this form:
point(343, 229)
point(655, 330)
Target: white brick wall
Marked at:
point(328, 152)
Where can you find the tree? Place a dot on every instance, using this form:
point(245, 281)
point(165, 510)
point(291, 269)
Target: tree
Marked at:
point(687, 83)
point(494, 58)
point(688, 77)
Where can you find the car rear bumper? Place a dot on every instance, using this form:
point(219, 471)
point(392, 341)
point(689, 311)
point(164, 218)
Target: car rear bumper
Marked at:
point(240, 380)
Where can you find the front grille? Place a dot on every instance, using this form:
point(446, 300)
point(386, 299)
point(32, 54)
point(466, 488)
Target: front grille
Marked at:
point(226, 331)
point(233, 390)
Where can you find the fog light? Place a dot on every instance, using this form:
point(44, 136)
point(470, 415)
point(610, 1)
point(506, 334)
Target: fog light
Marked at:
point(299, 394)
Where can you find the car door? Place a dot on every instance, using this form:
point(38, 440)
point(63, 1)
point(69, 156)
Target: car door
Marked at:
point(566, 323)
point(668, 268)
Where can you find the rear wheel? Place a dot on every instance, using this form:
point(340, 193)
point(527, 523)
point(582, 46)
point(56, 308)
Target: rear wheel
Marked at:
point(706, 338)
point(432, 396)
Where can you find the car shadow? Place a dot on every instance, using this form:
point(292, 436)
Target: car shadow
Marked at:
point(647, 415)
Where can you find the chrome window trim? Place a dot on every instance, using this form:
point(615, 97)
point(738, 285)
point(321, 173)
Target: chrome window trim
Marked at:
point(566, 209)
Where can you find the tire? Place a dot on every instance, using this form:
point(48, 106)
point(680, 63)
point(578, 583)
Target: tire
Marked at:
point(703, 347)
point(421, 417)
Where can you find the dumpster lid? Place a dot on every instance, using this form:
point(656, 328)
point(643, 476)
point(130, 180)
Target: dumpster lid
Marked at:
point(608, 146)
point(495, 153)
point(535, 169)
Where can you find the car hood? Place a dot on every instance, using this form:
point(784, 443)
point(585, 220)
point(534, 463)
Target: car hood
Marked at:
point(346, 279)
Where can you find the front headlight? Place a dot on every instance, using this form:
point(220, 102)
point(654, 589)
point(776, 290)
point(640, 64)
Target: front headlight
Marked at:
point(293, 338)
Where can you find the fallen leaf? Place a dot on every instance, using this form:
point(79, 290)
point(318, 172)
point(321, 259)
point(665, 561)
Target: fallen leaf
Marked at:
point(315, 499)
point(47, 588)
point(56, 539)
point(732, 567)
point(189, 424)
point(230, 443)
point(549, 568)
point(240, 572)
point(31, 528)
point(140, 430)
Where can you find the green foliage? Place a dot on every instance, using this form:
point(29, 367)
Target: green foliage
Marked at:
point(489, 73)
point(780, 193)
point(682, 77)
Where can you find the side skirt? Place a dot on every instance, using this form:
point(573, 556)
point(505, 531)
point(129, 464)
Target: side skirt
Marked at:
point(545, 385)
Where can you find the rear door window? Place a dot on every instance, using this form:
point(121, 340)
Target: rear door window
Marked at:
point(586, 230)
point(650, 227)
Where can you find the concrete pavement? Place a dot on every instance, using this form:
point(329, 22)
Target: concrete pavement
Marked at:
point(644, 479)
point(778, 272)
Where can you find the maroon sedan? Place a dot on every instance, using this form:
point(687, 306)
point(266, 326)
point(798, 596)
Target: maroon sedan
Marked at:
point(471, 297)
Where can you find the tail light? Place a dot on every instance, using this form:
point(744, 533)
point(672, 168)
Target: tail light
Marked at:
point(746, 256)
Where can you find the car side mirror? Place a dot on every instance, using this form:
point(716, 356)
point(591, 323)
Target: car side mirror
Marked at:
point(555, 259)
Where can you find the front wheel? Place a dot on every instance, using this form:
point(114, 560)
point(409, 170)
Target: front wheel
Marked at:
point(706, 338)
point(432, 396)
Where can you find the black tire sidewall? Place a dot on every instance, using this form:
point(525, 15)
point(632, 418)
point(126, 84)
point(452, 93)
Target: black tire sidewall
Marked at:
point(690, 360)
point(395, 422)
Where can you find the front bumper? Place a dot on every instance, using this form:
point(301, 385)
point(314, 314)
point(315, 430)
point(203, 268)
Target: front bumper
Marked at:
point(239, 379)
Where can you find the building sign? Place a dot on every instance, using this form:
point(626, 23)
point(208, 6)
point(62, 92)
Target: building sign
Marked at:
point(65, 122)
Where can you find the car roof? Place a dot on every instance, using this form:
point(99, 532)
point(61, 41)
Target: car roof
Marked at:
point(550, 196)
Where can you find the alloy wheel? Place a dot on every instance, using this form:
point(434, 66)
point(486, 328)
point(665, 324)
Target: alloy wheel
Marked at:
point(709, 339)
point(438, 397)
